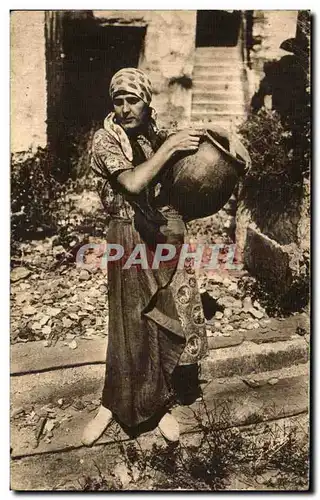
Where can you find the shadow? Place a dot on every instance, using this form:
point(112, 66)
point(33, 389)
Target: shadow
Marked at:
point(210, 305)
point(218, 28)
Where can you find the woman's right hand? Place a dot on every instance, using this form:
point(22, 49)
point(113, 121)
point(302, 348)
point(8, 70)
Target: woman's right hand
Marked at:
point(184, 140)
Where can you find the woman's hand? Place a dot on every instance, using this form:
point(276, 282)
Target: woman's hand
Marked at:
point(184, 140)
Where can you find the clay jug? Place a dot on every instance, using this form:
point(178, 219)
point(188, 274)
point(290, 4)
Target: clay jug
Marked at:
point(201, 183)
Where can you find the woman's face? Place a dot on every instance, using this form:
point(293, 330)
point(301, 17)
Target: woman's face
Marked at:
point(131, 112)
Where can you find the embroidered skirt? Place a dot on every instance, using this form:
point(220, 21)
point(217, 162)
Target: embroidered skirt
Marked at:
point(156, 323)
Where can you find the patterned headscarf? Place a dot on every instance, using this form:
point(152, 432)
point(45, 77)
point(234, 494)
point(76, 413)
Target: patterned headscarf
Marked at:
point(134, 81)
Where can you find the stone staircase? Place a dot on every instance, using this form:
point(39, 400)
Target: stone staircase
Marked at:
point(218, 87)
point(261, 375)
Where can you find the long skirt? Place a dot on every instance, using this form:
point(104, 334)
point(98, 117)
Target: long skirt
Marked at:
point(156, 323)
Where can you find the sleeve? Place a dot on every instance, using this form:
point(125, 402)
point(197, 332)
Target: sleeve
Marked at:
point(107, 158)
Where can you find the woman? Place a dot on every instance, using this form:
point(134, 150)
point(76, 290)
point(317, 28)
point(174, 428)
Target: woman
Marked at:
point(155, 315)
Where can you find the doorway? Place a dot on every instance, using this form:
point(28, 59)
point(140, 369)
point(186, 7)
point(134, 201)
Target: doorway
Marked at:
point(79, 73)
point(218, 28)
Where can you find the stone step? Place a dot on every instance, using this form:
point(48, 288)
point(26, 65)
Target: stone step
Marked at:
point(221, 76)
point(220, 117)
point(264, 396)
point(217, 52)
point(253, 358)
point(238, 356)
point(67, 470)
point(92, 350)
point(60, 355)
point(217, 107)
point(230, 64)
point(233, 95)
point(213, 57)
point(214, 85)
point(217, 71)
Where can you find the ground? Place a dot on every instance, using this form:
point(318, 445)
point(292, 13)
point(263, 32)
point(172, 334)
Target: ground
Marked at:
point(252, 415)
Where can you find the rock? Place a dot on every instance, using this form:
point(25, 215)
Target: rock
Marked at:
point(43, 412)
point(84, 275)
point(53, 311)
point(255, 313)
point(36, 326)
point(226, 301)
point(99, 321)
point(273, 381)
point(218, 315)
point(247, 304)
point(86, 322)
point(237, 304)
point(228, 328)
point(277, 265)
point(58, 250)
point(18, 412)
point(25, 286)
point(66, 322)
point(257, 305)
point(46, 330)
point(121, 472)
point(50, 425)
point(70, 336)
point(73, 315)
point(232, 288)
point(250, 326)
point(19, 273)
point(251, 382)
point(29, 311)
point(215, 278)
point(73, 345)
point(235, 318)
point(60, 402)
point(227, 312)
point(227, 282)
point(46, 343)
point(90, 331)
point(217, 325)
point(78, 405)
point(44, 319)
point(255, 326)
point(21, 298)
point(88, 307)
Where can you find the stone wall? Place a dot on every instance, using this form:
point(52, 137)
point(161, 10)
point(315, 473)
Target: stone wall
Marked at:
point(270, 29)
point(275, 249)
point(28, 82)
point(167, 57)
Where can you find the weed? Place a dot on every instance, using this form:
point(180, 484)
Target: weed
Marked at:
point(267, 456)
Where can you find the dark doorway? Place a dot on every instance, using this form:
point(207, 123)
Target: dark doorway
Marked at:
point(91, 54)
point(218, 28)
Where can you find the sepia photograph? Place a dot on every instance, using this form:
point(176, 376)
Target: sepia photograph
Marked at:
point(160, 186)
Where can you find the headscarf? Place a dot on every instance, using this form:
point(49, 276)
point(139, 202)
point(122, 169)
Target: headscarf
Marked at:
point(136, 82)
